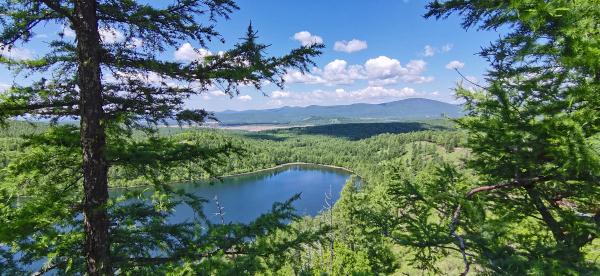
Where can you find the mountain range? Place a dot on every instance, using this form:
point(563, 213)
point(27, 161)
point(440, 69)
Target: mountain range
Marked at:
point(408, 109)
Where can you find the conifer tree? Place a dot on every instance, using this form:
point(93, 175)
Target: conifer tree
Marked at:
point(110, 86)
point(532, 126)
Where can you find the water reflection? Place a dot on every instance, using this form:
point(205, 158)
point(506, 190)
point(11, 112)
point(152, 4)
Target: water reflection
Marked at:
point(245, 197)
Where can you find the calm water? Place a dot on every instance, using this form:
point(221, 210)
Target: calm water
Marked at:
point(246, 197)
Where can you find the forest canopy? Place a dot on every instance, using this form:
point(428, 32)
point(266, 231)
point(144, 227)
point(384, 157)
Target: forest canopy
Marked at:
point(509, 188)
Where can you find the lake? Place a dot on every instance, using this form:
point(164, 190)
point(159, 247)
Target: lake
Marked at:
point(245, 197)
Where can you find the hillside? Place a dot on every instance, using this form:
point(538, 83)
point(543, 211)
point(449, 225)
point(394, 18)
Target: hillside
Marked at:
point(414, 108)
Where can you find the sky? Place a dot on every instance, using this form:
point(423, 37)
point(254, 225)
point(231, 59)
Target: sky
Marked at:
point(375, 52)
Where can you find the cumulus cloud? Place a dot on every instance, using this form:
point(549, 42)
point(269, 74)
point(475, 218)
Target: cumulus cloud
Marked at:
point(455, 64)
point(335, 72)
point(351, 46)
point(295, 76)
point(384, 70)
point(369, 94)
point(306, 38)
point(217, 93)
point(188, 53)
point(430, 51)
point(339, 72)
point(245, 98)
point(378, 71)
point(382, 67)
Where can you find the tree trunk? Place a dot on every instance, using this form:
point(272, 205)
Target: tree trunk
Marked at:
point(92, 139)
point(547, 217)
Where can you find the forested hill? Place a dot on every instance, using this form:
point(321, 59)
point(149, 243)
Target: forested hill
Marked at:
point(415, 108)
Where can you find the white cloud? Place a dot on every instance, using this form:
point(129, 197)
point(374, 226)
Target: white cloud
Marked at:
point(369, 94)
point(447, 47)
point(382, 67)
point(280, 94)
point(217, 93)
point(245, 98)
point(429, 51)
point(15, 53)
point(150, 79)
point(146, 77)
point(296, 76)
point(306, 38)
point(377, 92)
point(188, 53)
point(455, 64)
point(339, 72)
point(351, 46)
point(383, 71)
point(378, 71)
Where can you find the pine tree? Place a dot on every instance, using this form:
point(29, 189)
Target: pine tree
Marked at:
point(532, 126)
point(108, 87)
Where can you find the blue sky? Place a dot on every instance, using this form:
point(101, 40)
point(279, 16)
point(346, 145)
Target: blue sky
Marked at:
point(376, 51)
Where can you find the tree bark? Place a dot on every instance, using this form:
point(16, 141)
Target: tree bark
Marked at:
point(547, 217)
point(93, 142)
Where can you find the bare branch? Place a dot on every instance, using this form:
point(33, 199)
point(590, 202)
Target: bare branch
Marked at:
point(459, 239)
point(46, 268)
point(488, 188)
point(512, 184)
point(468, 80)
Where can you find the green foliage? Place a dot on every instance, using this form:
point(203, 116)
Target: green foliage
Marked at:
point(514, 192)
point(526, 203)
point(128, 93)
point(359, 245)
point(393, 219)
point(54, 206)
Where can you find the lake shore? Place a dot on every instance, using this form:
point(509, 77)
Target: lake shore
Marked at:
point(288, 165)
point(247, 173)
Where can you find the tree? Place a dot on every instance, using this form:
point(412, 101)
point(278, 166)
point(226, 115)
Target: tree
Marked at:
point(532, 129)
point(108, 85)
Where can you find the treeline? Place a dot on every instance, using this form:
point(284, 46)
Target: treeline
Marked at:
point(344, 248)
point(252, 151)
point(395, 220)
point(522, 200)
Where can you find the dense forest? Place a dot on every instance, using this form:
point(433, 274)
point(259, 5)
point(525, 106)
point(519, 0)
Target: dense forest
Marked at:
point(397, 160)
point(370, 158)
point(509, 188)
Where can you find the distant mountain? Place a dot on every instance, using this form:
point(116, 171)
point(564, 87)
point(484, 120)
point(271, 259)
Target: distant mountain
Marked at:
point(414, 108)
